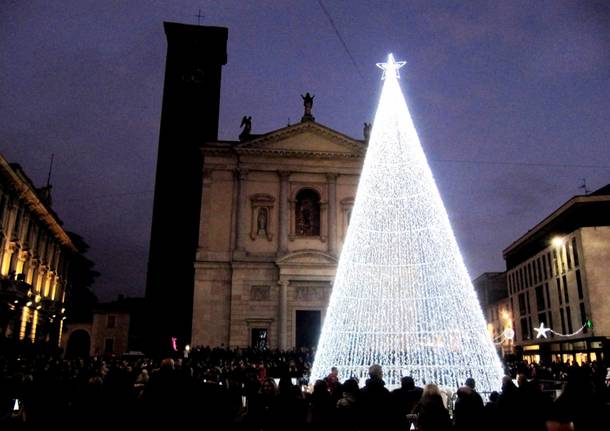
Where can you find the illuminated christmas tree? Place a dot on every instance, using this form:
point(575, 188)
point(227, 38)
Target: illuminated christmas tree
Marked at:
point(402, 297)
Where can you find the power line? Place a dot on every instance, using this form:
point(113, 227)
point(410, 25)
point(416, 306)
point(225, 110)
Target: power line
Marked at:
point(459, 161)
point(531, 164)
point(332, 23)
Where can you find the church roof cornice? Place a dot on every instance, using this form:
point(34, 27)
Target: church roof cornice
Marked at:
point(263, 143)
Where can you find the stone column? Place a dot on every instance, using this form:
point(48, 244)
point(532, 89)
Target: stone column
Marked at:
point(284, 213)
point(204, 211)
point(242, 210)
point(332, 213)
point(283, 314)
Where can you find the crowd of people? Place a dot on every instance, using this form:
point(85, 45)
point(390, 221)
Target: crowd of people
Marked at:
point(246, 389)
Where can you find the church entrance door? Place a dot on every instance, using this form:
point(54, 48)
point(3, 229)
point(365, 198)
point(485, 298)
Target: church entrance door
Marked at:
point(307, 327)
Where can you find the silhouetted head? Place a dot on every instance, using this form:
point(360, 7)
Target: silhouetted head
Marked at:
point(167, 364)
point(470, 382)
point(407, 383)
point(375, 372)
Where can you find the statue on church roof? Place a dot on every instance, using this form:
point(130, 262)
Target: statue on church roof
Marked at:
point(246, 123)
point(308, 104)
point(367, 131)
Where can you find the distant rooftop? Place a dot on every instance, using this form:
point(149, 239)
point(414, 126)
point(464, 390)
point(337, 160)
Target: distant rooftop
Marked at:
point(579, 211)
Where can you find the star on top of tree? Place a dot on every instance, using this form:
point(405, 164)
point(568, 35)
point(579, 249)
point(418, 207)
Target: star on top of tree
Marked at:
point(541, 331)
point(391, 66)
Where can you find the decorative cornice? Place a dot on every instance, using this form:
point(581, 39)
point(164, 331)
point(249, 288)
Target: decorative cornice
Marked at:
point(25, 193)
point(259, 145)
point(292, 258)
point(354, 146)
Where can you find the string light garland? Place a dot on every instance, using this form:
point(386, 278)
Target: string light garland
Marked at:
point(542, 331)
point(402, 297)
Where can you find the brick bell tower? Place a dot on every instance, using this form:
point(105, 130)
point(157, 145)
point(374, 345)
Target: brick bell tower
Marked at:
point(189, 117)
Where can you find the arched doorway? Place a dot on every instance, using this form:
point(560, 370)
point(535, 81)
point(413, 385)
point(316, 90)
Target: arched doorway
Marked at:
point(79, 344)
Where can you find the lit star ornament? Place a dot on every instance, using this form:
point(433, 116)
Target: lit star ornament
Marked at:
point(391, 66)
point(542, 331)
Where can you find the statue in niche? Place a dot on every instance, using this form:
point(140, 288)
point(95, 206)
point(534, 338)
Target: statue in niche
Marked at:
point(305, 221)
point(367, 131)
point(307, 213)
point(261, 222)
point(246, 123)
point(308, 104)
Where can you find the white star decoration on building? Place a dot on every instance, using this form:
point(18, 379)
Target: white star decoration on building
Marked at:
point(541, 331)
point(391, 66)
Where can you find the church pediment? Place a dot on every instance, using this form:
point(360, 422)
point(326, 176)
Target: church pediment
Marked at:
point(307, 139)
point(307, 258)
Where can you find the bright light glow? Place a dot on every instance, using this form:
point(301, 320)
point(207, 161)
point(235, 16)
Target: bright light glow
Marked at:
point(402, 297)
point(557, 241)
point(509, 333)
point(391, 66)
point(541, 331)
point(187, 348)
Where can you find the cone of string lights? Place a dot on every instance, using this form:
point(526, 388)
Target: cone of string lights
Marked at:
point(402, 297)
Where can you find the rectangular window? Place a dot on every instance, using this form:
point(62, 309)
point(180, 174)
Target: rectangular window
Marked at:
point(530, 326)
point(559, 290)
point(540, 305)
point(563, 321)
point(549, 316)
point(521, 279)
point(109, 345)
point(548, 296)
point(524, 329)
point(583, 316)
point(575, 252)
point(529, 274)
point(110, 321)
point(522, 310)
point(565, 289)
point(539, 265)
point(542, 319)
point(535, 272)
point(510, 283)
point(569, 319)
point(579, 284)
point(562, 256)
point(544, 266)
point(527, 298)
point(555, 262)
point(569, 256)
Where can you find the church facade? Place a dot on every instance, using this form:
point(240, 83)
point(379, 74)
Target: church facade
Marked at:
point(246, 255)
point(274, 214)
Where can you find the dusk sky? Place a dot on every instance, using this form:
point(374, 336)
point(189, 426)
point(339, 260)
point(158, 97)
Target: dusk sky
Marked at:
point(511, 101)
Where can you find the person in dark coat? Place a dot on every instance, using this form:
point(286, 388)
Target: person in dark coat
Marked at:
point(579, 406)
point(491, 413)
point(404, 400)
point(347, 417)
point(322, 407)
point(508, 405)
point(432, 415)
point(263, 409)
point(376, 401)
point(468, 408)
